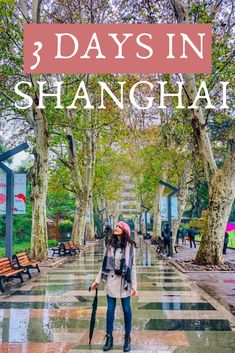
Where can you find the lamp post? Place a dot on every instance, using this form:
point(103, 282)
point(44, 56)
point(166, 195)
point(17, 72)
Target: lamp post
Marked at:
point(10, 194)
point(145, 218)
point(174, 191)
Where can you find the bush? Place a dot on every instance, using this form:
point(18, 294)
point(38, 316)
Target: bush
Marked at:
point(65, 226)
point(52, 242)
point(24, 246)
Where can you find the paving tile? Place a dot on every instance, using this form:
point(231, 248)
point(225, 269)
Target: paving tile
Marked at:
point(188, 325)
point(176, 306)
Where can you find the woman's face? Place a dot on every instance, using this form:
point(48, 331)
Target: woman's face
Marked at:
point(118, 230)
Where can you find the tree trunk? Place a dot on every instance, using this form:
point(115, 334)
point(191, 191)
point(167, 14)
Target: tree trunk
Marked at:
point(79, 220)
point(182, 197)
point(37, 119)
point(157, 218)
point(222, 191)
point(90, 225)
point(39, 245)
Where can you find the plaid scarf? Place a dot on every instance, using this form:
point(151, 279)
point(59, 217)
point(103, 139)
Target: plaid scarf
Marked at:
point(109, 264)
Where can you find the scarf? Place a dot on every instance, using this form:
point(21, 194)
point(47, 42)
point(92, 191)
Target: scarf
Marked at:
point(109, 263)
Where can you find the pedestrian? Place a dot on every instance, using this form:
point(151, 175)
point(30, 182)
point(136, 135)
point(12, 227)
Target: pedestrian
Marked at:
point(191, 234)
point(118, 271)
point(184, 235)
point(177, 236)
point(167, 241)
point(226, 240)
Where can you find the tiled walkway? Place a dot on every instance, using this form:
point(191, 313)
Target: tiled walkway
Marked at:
point(50, 313)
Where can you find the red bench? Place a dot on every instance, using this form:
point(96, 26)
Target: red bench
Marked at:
point(7, 271)
point(73, 246)
point(24, 262)
point(58, 249)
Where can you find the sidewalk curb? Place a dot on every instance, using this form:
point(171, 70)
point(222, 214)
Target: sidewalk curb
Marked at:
point(181, 269)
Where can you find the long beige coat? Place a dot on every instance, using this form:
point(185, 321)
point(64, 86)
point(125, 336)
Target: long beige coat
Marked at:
point(115, 283)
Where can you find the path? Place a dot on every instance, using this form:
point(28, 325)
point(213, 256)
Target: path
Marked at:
point(50, 313)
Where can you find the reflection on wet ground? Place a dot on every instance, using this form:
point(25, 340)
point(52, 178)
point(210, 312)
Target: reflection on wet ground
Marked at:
point(51, 312)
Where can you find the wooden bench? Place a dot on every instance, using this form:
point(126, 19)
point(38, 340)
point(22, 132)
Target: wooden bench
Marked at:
point(73, 246)
point(58, 250)
point(24, 262)
point(7, 271)
point(68, 249)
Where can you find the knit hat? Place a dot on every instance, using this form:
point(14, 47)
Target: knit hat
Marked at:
point(125, 227)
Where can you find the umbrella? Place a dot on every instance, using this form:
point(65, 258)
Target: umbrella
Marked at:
point(93, 315)
point(230, 227)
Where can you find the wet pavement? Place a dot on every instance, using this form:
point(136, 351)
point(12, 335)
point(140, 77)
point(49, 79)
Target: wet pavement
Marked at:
point(220, 285)
point(51, 312)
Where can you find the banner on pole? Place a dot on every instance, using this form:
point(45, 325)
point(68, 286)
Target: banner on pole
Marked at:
point(19, 194)
point(164, 208)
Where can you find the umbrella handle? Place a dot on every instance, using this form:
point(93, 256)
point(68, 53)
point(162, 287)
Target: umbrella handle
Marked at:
point(96, 291)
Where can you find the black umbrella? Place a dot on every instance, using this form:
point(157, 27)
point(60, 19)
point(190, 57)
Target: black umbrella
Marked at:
point(93, 314)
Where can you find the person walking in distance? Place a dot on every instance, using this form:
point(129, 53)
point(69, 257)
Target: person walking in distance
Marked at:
point(184, 234)
point(226, 240)
point(167, 240)
point(118, 271)
point(191, 234)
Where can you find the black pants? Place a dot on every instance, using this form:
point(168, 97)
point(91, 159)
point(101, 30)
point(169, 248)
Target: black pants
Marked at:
point(225, 248)
point(192, 240)
point(167, 244)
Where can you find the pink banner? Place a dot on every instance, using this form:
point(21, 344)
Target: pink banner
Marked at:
point(117, 48)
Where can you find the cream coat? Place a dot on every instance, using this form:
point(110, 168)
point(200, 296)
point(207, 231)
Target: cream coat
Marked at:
point(115, 283)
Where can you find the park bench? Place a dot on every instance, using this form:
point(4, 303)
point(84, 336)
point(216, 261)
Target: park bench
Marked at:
point(7, 271)
point(68, 249)
point(58, 249)
point(73, 246)
point(23, 261)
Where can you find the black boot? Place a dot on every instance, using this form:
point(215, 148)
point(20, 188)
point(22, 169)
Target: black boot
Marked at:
point(109, 342)
point(127, 343)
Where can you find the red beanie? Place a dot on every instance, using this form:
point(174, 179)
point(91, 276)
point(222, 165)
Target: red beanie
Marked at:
point(125, 227)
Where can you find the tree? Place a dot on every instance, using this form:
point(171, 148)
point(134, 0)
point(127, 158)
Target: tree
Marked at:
point(12, 20)
point(221, 181)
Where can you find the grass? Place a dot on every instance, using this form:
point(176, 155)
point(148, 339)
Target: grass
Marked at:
point(25, 246)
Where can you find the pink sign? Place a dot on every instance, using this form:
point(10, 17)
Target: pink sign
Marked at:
point(117, 48)
point(19, 194)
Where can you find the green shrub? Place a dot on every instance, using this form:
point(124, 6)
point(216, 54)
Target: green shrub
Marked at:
point(52, 242)
point(24, 246)
point(65, 226)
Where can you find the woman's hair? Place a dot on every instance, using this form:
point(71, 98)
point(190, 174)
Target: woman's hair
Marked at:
point(124, 240)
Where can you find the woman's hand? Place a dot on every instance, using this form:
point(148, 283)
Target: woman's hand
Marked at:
point(133, 292)
point(94, 285)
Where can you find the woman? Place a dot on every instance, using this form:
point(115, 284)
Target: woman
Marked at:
point(119, 272)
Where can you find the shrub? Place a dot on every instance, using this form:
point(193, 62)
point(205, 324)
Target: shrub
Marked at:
point(66, 226)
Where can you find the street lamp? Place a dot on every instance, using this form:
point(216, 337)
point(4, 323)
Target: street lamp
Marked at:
point(145, 218)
